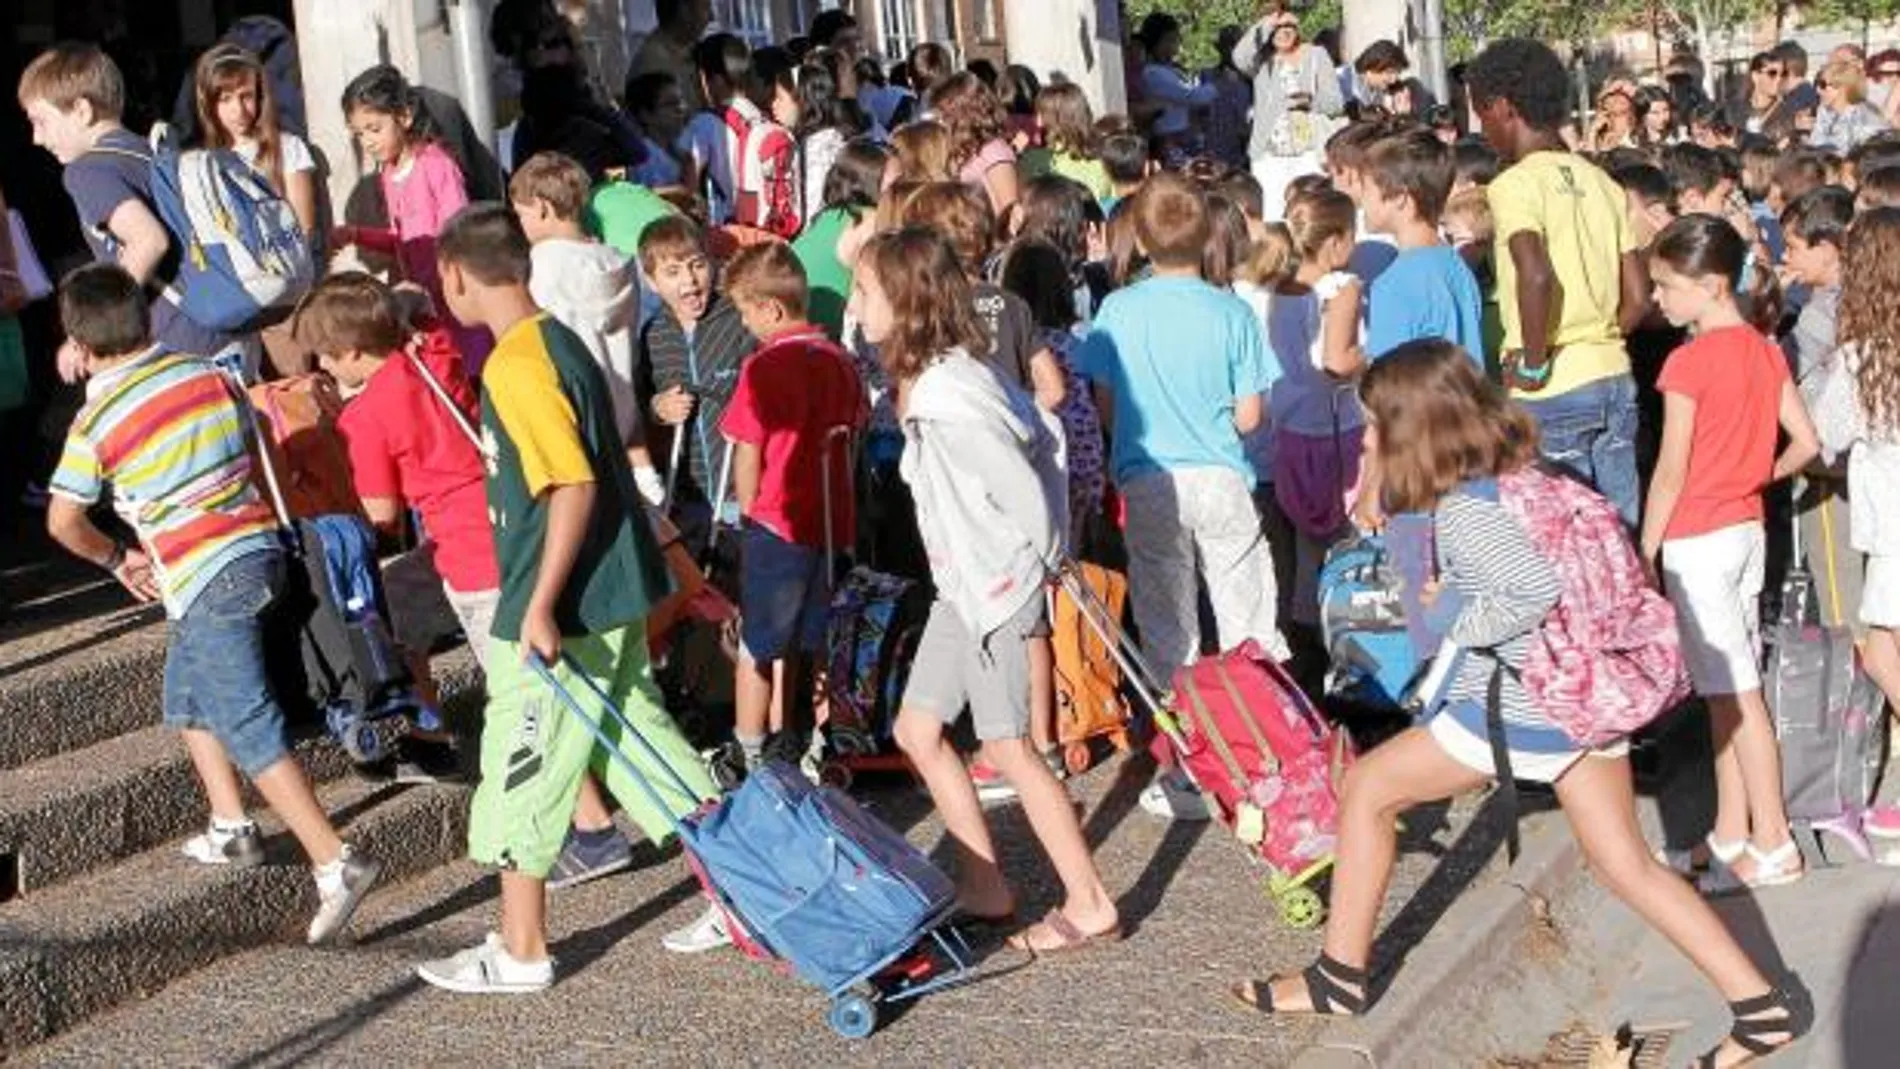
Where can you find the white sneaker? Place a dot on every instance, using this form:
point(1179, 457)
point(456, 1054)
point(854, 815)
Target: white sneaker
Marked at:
point(340, 889)
point(488, 970)
point(1173, 798)
point(706, 933)
point(239, 847)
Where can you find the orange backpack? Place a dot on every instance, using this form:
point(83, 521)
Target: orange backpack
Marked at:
point(304, 449)
point(1089, 701)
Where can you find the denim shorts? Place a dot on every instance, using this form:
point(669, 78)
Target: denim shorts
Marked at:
point(215, 679)
point(784, 595)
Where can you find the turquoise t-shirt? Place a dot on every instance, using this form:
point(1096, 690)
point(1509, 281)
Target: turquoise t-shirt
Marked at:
point(1427, 292)
point(1176, 353)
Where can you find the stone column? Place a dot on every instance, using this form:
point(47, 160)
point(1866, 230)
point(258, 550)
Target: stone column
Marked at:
point(1367, 21)
point(1080, 39)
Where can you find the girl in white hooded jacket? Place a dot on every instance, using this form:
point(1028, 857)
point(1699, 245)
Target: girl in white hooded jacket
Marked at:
point(984, 465)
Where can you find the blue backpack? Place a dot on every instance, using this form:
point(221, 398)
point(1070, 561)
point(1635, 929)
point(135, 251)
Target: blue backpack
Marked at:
point(242, 253)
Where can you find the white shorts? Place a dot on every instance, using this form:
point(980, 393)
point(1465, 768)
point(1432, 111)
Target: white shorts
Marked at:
point(1880, 593)
point(1714, 581)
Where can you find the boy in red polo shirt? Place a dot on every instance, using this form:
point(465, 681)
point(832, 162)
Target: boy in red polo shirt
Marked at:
point(410, 432)
point(793, 394)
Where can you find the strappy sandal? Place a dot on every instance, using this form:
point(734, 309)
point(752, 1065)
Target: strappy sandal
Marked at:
point(1326, 985)
point(1750, 1026)
point(1773, 868)
point(1688, 865)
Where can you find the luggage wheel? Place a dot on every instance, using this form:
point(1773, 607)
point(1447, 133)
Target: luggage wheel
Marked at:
point(1301, 908)
point(852, 1016)
point(1077, 757)
point(835, 774)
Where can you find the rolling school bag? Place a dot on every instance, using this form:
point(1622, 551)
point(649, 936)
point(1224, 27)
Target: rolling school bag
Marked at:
point(1362, 624)
point(1089, 701)
point(805, 876)
point(871, 636)
point(1827, 717)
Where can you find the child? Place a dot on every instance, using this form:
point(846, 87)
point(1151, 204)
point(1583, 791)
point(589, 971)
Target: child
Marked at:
point(850, 193)
point(1347, 159)
point(1125, 160)
point(1312, 327)
point(794, 396)
point(1469, 228)
point(724, 63)
point(1859, 415)
point(1181, 366)
point(580, 568)
point(1727, 394)
point(1427, 291)
point(764, 153)
point(168, 436)
point(920, 153)
point(693, 349)
point(1816, 227)
point(410, 448)
point(1068, 140)
point(1444, 435)
point(1475, 163)
point(73, 94)
point(236, 111)
point(985, 469)
point(657, 103)
point(826, 124)
point(421, 183)
point(590, 288)
point(1570, 280)
point(1879, 188)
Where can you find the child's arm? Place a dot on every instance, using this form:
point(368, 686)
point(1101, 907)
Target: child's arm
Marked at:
point(448, 193)
point(1804, 444)
point(385, 515)
point(67, 522)
point(1536, 294)
point(1513, 586)
point(300, 189)
point(1339, 328)
point(1632, 305)
point(748, 468)
point(1672, 470)
point(142, 239)
point(570, 506)
point(1045, 374)
point(1249, 413)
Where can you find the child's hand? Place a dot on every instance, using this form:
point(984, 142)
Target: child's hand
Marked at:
point(72, 362)
point(1366, 514)
point(674, 406)
point(342, 237)
point(540, 635)
point(135, 574)
point(1428, 593)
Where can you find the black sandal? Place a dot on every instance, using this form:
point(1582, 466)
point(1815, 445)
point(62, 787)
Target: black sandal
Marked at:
point(1750, 1026)
point(1326, 981)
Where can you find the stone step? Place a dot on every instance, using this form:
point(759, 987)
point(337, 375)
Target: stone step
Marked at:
point(80, 810)
point(67, 687)
point(92, 943)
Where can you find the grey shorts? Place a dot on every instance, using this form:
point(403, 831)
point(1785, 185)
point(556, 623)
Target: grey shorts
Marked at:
point(990, 674)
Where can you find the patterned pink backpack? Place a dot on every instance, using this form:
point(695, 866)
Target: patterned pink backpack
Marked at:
point(1608, 658)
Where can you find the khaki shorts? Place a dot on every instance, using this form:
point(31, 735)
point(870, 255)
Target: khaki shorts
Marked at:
point(989, 673)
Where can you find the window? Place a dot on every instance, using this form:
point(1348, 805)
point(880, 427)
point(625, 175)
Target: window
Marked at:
point(985, 12)
point(750, 20)
point(897, 23)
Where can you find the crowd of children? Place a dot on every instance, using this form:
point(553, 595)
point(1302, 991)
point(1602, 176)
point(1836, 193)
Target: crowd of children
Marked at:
point(998, 340)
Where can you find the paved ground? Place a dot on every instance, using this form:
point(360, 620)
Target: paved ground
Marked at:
point(1198, 924)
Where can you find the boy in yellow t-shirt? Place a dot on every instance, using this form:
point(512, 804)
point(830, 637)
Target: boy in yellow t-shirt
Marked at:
point(1571, 281)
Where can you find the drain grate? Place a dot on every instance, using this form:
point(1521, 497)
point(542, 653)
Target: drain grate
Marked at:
point(1580, 1047)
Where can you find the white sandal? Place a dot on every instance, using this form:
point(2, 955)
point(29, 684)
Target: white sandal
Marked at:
point(1774, 868)
point(1684, 864)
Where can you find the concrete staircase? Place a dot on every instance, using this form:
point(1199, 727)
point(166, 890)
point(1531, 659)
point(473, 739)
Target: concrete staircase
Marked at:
point(96, 905)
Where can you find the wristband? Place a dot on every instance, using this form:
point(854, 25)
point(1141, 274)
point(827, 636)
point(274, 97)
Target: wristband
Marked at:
point(1535, 376)
point(115, 559)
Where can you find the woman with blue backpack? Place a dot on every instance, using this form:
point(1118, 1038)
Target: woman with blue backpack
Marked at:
point(1515, 548)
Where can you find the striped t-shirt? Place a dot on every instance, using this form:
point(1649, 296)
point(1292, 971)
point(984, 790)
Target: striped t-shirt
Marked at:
point(170, 434)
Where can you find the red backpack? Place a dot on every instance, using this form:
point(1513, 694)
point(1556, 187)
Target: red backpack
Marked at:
point(1608, 658)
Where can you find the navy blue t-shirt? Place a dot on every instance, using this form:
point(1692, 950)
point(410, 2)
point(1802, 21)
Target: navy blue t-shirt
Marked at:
point(98, 182)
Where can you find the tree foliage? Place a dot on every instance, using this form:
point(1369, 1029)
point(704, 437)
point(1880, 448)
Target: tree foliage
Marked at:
point(1202, 20)
point(1853, 14)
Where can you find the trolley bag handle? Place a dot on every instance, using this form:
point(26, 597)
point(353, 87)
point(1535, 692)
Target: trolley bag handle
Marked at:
point(719, 497)
point(674, 456)
point(838, 433)
point(599, 732)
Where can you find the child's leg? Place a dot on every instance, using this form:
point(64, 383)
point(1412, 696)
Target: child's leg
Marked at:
point(1161, 576)
point(1236, 561)
point(1042, 693)
point(775, 588)
point(1412, 769)
point(618, 660)
point(1731, 788)
point(215, 774)
point(933, 697)
point(1759, 752)
point(591, 812)
point(287, 790)
point(752, 702)
point(1880, 652)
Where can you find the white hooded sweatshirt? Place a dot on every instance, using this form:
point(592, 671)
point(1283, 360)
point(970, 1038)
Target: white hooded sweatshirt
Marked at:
point(986, 468)
point(595, 292)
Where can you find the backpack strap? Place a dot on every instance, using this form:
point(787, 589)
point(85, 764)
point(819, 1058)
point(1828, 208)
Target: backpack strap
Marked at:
point(455, 411)
point(1501, 752)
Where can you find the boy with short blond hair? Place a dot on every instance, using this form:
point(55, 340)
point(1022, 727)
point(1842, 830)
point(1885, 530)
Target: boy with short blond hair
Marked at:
point(580, 570)
point(74, 95)
point(170, 438)
point(592, 289)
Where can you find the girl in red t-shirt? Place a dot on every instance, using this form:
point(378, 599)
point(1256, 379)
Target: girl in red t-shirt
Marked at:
point(1726, 396)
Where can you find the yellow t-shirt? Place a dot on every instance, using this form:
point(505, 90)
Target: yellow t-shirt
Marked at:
point(1580, 212)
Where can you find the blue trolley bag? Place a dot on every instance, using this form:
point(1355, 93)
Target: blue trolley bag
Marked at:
point(808, 875)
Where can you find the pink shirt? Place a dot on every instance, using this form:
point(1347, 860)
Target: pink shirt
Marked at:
point(992, 154)
point(420, 199)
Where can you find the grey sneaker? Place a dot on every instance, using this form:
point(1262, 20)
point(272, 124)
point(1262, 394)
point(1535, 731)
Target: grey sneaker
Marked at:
point(487, 970)
point(589, 856)
point(240, 848)
point(707, 933)
point(340, 892)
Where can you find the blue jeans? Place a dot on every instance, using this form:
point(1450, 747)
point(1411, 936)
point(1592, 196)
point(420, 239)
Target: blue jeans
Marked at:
point(215, 679)
point(1591, 433)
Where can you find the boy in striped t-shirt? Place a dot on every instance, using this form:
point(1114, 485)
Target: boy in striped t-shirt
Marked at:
point(168, 434)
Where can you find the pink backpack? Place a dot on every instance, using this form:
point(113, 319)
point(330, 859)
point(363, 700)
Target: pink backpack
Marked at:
point(1608, 658)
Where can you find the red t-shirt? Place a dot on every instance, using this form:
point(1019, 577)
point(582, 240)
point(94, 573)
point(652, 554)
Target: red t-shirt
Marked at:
point(1735, 377)
point(791, 393)
point(404, 444)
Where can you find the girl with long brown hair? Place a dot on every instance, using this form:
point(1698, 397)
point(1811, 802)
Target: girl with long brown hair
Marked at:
point(1444, 436)
point(985, 468)
point(237, 111)
point(979, 150)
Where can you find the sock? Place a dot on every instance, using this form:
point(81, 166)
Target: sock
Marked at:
point(221, 826)
point(596, 838)
point(330, 876)
point(753, 747)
